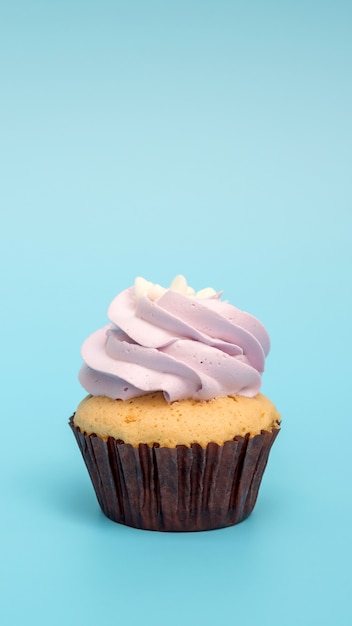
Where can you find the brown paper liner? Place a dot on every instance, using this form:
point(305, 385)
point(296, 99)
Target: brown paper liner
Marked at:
point(176, 489)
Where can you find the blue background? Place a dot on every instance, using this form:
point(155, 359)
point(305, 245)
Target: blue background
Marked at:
point(206, 138)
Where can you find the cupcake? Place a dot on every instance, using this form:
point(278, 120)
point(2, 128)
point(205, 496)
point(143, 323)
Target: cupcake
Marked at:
point(175, 433)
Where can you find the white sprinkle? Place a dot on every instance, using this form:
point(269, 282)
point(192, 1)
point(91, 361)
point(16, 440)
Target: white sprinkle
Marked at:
point(153, 291)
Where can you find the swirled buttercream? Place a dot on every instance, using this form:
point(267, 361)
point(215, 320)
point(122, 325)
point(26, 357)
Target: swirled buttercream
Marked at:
point(185, 344)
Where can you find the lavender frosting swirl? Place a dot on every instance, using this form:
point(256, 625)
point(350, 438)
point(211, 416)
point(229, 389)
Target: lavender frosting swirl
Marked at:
point(183, 345)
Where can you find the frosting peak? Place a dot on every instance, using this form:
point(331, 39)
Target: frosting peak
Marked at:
point(183, 343)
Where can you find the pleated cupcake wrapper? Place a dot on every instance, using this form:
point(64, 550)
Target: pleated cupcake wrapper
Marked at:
point(176, 489)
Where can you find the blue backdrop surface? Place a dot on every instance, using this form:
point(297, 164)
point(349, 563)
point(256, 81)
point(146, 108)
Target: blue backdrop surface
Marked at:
point(153, 138)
